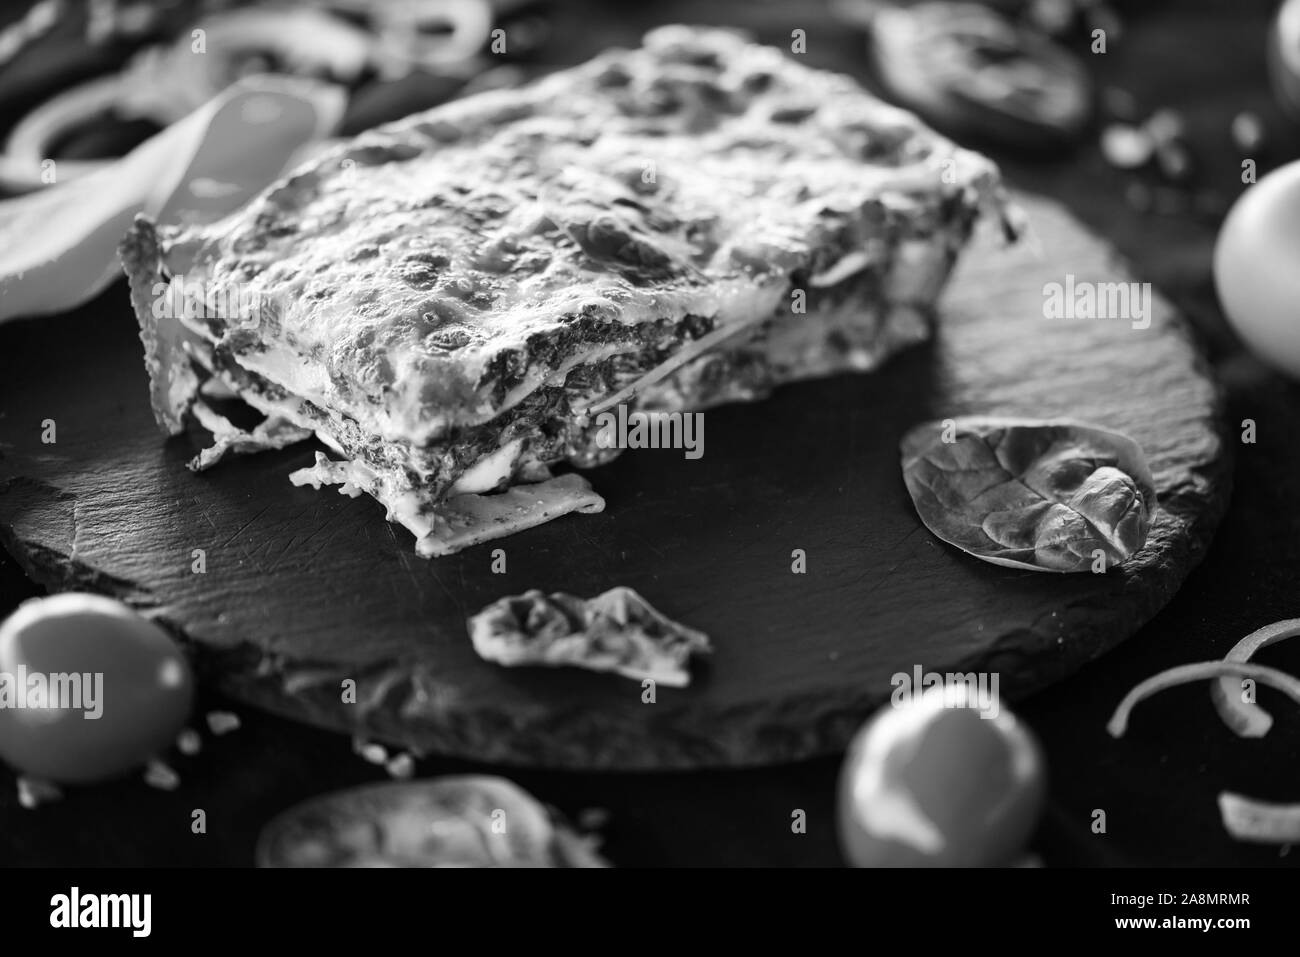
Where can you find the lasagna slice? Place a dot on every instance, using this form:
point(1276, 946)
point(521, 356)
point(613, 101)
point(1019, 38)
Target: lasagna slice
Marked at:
point(446, 300)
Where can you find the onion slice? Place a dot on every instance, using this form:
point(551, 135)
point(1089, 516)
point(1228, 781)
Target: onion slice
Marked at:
point(1247, 718)
point(1199, 671)
point(1260, 822)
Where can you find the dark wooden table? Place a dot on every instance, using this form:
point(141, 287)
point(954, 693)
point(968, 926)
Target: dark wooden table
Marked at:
point(1157, 787)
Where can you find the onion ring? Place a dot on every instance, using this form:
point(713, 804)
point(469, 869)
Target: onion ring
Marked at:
point(971, 69)
point(1248, 719)
point(29, 142)
point(403, 45)
point(1260, 822)
point(1198, 671)
point(165, 83)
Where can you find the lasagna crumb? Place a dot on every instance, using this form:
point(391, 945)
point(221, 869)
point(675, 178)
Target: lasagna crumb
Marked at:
point(616, 631)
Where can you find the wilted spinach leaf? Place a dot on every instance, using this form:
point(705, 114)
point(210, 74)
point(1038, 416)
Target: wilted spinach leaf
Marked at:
point(1030, 494)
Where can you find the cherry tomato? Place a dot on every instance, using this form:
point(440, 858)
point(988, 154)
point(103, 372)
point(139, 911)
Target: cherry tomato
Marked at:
point(117, 689)
point(1255, 267)
point(931, 783)
point(1283, 56)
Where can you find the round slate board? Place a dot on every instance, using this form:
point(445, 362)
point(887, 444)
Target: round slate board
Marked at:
point(305, 589)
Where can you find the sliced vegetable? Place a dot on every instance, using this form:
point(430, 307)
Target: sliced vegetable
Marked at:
point(1245, 717)
point(58, 247)
point(1043, 495)
point(1199, 671)
point(452, 821)
point(970, 70)
point(1249, 820)
point(1245, 818)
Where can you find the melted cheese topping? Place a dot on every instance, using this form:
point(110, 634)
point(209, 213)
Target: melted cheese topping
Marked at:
point(432, 273)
